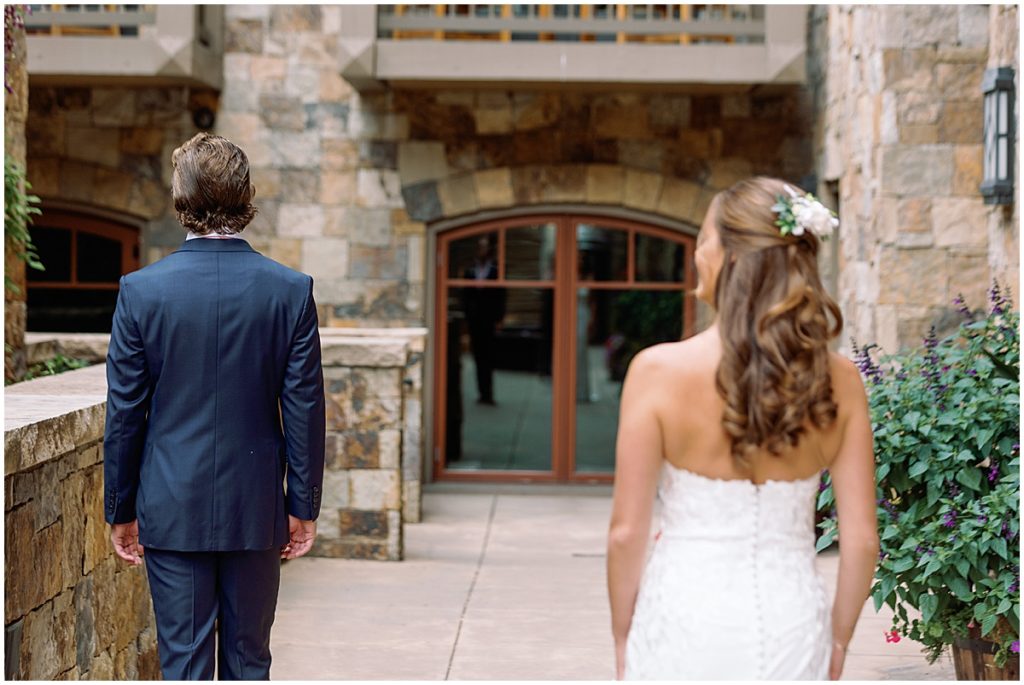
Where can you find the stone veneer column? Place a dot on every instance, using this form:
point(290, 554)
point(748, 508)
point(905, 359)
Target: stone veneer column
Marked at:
point(902, 133)
point(15, 112)
point(324, 162)
point(361, 510)
point(1004, 223)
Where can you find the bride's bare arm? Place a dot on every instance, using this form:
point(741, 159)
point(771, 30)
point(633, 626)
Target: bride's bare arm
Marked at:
point(853, 482)
point(637, 467)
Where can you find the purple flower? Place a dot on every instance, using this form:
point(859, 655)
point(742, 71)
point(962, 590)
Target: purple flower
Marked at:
point(949, 519)
point(1015, 447)
point(867, 366)
point(993, 472)
point(931, 368)
point(997, 299)
point(983, 519)
point(972, 372)
point(954, 489)
point(961, 306)
point(1015, 646)
point(1013, 586)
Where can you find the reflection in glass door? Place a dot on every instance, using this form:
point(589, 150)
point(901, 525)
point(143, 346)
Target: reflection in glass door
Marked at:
point(539, 321)
point(629, 296)
point(498, 401)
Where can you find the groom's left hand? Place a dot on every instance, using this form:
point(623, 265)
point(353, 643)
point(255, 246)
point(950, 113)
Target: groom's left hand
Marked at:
point(125, 537)
point(301, 535)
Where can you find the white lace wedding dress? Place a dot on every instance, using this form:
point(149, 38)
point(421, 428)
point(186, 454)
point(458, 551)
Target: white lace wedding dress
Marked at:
point(730, 590)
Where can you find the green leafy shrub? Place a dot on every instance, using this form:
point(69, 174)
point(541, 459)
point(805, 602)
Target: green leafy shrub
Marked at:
point(54, 366)
point(946, 421)
point(19, 207)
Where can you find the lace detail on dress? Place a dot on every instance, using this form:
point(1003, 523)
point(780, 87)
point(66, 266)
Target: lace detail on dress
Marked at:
point(730, 590)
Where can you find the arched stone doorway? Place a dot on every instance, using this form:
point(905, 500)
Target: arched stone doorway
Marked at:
point(535, 319)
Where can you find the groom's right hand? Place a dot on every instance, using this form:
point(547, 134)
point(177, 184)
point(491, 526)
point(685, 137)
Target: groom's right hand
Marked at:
point(125, 537)
point(300, 538)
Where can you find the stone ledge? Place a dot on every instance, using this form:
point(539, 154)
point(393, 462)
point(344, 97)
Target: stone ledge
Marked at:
point(51, 416)
point(341, 350)
point(43, 346)
point(93, 346)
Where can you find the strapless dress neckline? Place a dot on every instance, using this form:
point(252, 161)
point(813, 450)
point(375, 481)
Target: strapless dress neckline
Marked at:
point(740, 481)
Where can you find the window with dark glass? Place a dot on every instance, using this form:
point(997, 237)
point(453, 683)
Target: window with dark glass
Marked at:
point(83, 259)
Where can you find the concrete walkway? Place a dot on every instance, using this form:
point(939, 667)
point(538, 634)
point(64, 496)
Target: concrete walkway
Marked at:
point(506, 586)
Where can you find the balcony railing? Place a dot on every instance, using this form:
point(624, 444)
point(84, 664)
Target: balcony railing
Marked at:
point(657, 24)
point(622, 44)
point(111, 43)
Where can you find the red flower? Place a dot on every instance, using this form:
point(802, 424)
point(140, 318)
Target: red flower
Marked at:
point(892, 636)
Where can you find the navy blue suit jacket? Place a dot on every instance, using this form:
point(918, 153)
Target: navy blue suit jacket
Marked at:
point(215, 392)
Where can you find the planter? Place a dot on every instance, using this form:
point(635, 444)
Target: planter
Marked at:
point(973, 659)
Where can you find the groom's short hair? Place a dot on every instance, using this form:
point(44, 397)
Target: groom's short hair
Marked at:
point(210, 186)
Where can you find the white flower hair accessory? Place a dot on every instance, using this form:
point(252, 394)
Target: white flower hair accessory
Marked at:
point(803, 212)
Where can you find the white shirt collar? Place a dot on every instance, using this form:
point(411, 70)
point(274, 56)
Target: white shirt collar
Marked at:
point(214, 236)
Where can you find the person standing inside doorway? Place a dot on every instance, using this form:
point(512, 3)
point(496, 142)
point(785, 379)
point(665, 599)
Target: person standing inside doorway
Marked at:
point(215, 399)
point(485, 310)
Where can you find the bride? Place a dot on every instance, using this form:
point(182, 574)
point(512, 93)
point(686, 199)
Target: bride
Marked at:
point(731, 429)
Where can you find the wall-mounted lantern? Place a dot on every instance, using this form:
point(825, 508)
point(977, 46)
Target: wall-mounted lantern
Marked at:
point(997, 185)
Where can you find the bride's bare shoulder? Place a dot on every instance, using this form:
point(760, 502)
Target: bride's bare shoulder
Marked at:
point(675, 357)
point(847, 384)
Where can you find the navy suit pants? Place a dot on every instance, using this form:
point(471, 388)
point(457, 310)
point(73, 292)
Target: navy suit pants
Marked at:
point(209, 603)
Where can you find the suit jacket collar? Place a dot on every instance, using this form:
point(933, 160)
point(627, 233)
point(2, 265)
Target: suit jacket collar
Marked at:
point(216, 245)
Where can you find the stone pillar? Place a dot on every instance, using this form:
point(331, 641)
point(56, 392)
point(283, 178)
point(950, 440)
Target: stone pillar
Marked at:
point(15, 112)
point(1003, 234)
point(361, 511)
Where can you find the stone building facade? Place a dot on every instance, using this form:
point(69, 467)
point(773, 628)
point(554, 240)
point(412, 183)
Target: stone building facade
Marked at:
point(346, 181)
point(354, 185)
point(899, 133)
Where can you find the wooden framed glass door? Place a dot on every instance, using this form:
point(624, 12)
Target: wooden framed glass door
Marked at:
point(537, 319)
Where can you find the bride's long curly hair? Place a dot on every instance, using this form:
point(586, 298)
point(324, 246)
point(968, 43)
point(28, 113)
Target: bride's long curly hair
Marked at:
point(775, 322)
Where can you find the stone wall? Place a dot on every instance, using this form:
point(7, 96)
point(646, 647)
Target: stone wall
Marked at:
point(374, 452)
point(468, 150)
point(900, 130)
point(1004, 223)
point(347, 181)
point(108, 150)
point(72, 610)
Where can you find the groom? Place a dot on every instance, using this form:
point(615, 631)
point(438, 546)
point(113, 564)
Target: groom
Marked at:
point(215, 398)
